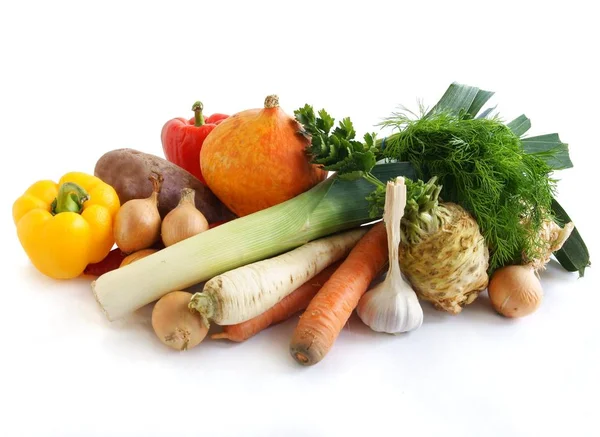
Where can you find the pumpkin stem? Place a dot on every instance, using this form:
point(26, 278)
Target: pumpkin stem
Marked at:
point(198, 117)
point(272, 101)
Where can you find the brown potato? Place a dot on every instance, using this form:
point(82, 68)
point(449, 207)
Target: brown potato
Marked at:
point(127, 170)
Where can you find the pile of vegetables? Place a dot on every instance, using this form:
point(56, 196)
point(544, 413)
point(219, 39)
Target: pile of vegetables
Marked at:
point(452, 202)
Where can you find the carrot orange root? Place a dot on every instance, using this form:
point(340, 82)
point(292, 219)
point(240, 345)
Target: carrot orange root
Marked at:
point(330, 309)
point(283, 310)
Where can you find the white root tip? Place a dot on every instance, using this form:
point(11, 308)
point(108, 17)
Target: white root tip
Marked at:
point(110, 319)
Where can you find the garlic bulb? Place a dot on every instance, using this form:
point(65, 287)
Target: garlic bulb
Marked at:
point(392, 306)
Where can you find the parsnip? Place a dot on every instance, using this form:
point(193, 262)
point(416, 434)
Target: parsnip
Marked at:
point(243, 293)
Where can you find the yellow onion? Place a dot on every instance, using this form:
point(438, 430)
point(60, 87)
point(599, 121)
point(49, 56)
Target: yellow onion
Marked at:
point(515, 291)
point(137, 223)
point(183, 221)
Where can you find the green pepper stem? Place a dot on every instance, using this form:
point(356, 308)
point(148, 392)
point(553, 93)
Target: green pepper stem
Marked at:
point(70, 198)
point(198, 117)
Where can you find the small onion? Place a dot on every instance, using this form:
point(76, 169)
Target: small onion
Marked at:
point(137, 223)
point(183, 221)
point(515, 291)
point(175, 324)
point(137, 255)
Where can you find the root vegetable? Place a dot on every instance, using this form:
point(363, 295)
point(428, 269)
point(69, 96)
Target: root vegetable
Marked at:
point(515, 291)
point(175, 324)
point(184, 221)
point(552, 237)
point(330, 309)
point(283, 310)
point(137, 223)
point(442, 254)
point(137, 255)
point(243, 293)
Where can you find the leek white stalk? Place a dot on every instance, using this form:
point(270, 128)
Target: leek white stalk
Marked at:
point(332, 206)
point(248, 291)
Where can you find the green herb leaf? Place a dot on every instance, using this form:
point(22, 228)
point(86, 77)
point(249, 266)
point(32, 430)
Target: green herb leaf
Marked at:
point(325, 123)
point(345, 129)
point(376, 198)
point(376, 201)
point(370, 140)
point(351, 176)
point(549, 148)
point(337, 151)
point(305, 115)
point(482, 166)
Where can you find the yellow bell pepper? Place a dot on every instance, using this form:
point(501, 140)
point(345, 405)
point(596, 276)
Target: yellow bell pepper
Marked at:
point(65, 226)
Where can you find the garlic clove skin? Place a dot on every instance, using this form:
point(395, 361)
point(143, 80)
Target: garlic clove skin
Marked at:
point(385, 310)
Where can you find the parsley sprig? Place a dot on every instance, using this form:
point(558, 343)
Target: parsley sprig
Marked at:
point(337, 149)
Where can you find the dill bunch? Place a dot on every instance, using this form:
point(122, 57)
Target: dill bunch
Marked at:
point(481, 166)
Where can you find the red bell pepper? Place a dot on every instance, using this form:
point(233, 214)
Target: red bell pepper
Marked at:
point(112, 261)
point(182, 139)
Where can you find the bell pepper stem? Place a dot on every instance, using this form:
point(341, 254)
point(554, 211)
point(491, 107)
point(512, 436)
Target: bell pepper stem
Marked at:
point(70, 198)
point(198, 117)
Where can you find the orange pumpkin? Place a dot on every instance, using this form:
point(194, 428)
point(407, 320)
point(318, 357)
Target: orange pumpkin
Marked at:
point(257, 158)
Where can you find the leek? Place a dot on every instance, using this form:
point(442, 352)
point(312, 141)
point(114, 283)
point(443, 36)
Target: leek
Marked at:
point(332, 206)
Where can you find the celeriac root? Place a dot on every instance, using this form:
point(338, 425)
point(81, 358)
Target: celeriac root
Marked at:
point(449, 266)
point(553, 237)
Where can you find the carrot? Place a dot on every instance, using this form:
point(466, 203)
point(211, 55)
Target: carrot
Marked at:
point(283, 310)
point(332, 306)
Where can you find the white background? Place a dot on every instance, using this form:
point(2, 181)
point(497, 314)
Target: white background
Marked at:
point(78, 79)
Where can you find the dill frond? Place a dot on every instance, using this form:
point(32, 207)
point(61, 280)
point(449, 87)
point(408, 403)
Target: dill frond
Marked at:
point(482, 166)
